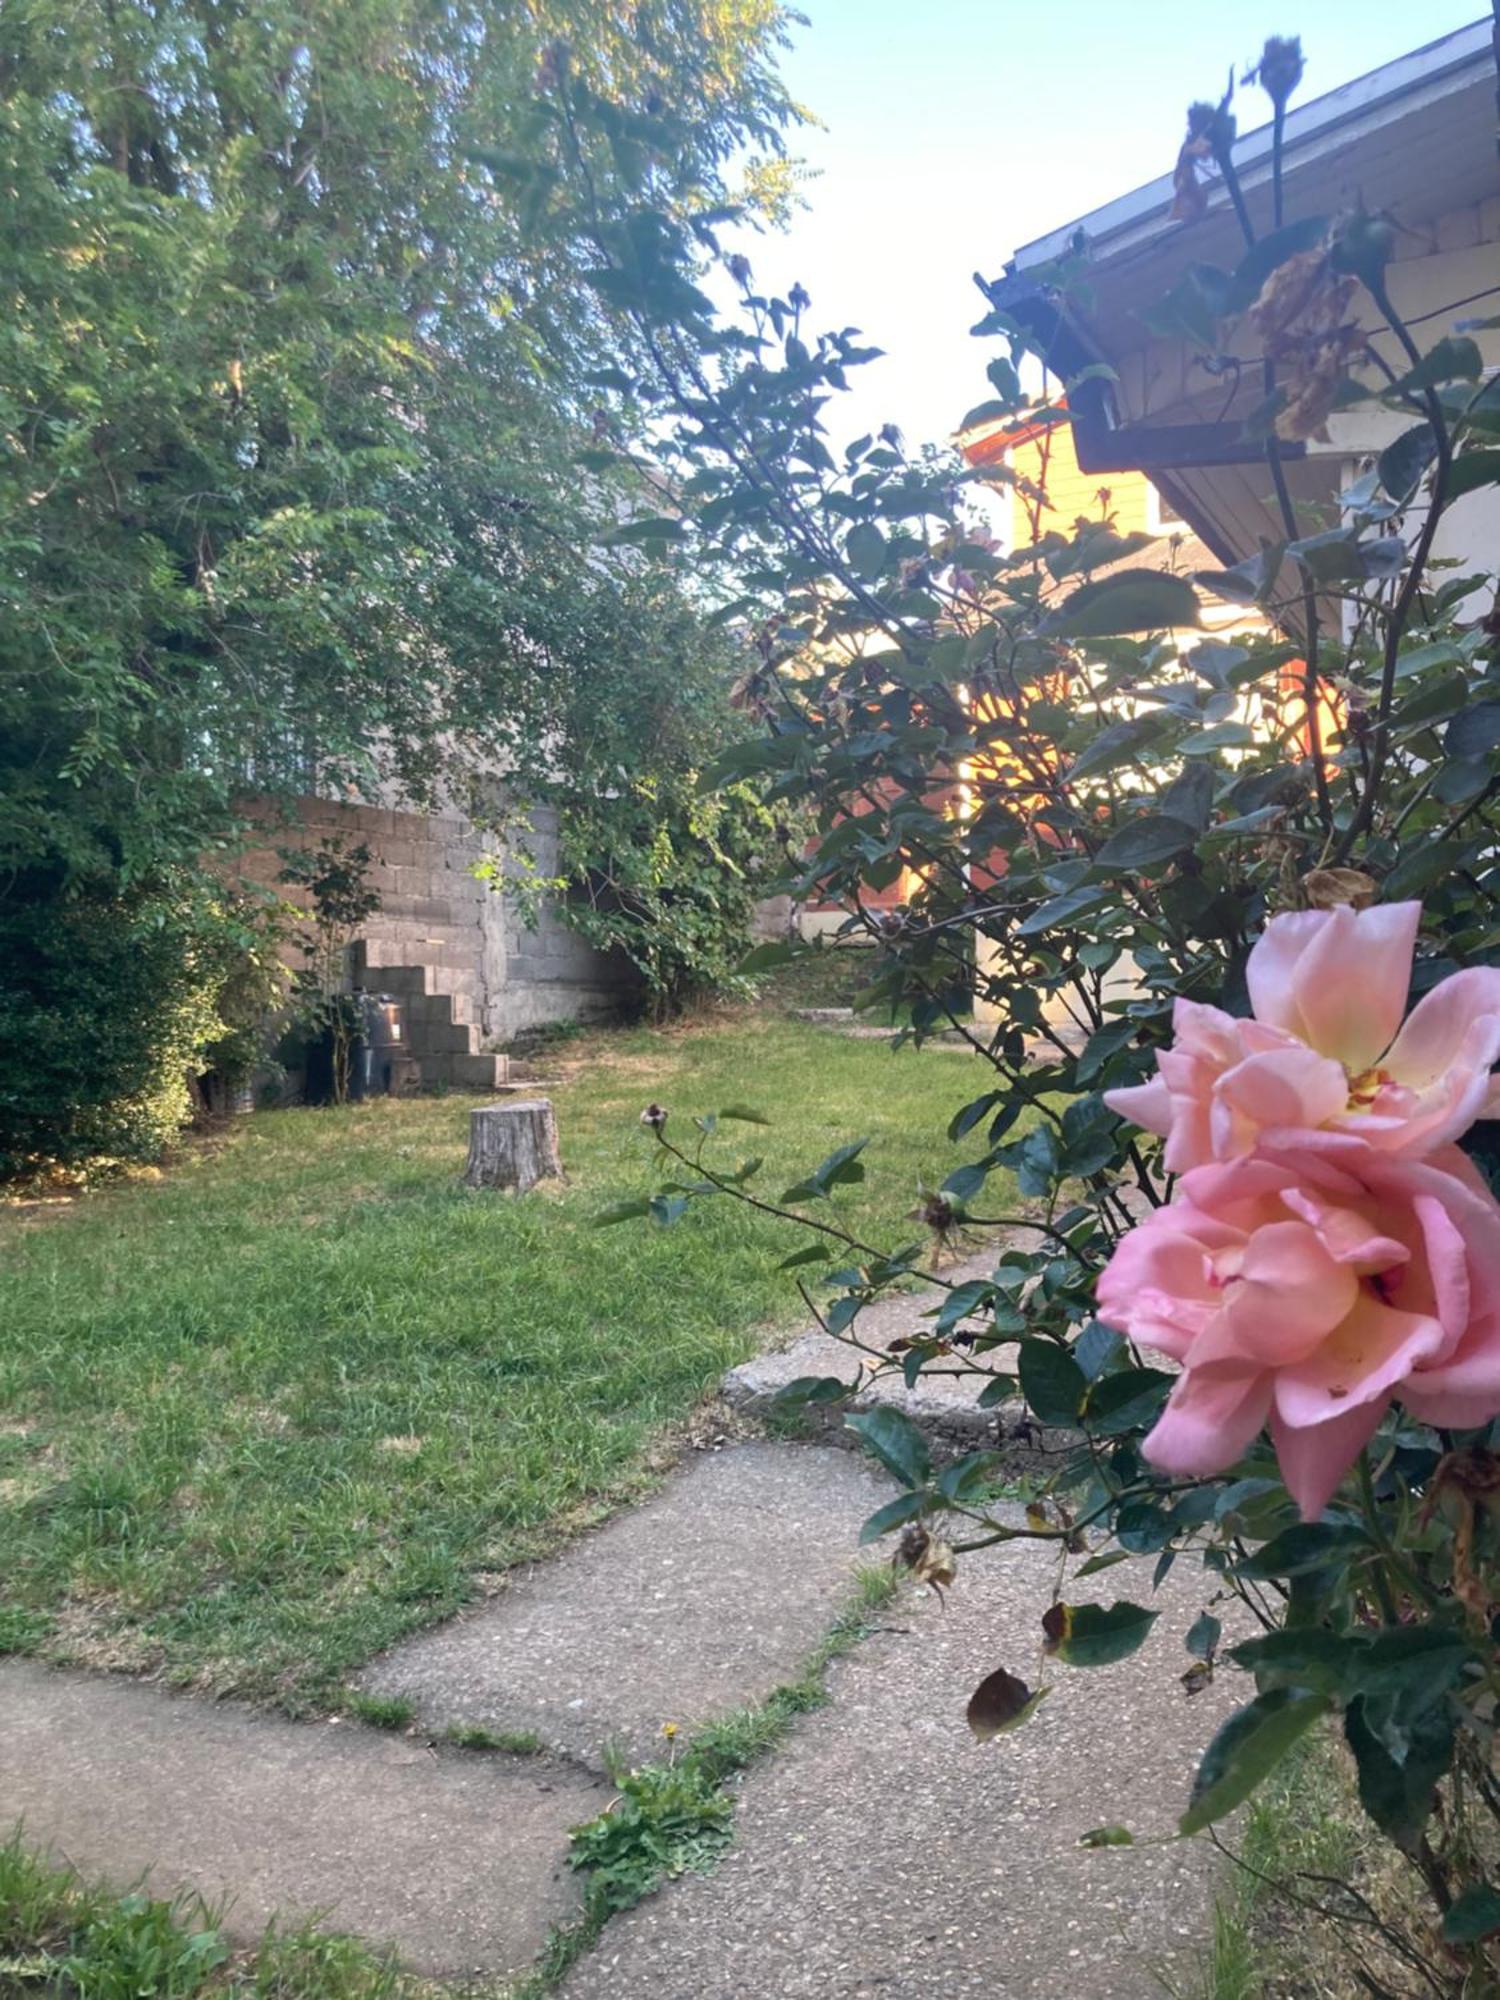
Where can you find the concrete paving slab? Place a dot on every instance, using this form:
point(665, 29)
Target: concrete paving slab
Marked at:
point(944, 1406)
point(457, 1861)
point(696, 1603)
point(885, 1854)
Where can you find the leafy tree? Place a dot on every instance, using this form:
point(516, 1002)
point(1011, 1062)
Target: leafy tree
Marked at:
point(291, 399)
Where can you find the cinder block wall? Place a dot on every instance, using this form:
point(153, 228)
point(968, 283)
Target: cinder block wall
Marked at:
point(503, 976)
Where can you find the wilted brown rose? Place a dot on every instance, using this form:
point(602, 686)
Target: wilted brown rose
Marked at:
point(930, 1561)
point(1328, 888)
point(1300, 318)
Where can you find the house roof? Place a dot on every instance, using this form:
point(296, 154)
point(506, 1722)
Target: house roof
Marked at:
point(988, 442)
point(1415, 138)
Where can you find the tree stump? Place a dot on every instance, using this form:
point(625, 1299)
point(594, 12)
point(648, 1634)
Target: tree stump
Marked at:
point(513, 1146)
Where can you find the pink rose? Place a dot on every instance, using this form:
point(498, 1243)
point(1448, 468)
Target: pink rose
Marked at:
point(1307, 1288)
point(1326, 1047)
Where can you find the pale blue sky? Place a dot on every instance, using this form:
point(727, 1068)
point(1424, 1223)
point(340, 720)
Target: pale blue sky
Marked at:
point(958, 129)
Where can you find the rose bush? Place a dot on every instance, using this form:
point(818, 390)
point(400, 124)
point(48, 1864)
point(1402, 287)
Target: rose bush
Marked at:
point(1185, 873)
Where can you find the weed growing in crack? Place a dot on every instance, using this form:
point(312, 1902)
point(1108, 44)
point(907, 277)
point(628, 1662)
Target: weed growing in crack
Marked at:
point(503, 1742)
point(380, 1711)
point(675, 1816)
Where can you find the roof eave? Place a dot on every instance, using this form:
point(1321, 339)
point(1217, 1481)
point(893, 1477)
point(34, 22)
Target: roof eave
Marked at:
point(1142, 219)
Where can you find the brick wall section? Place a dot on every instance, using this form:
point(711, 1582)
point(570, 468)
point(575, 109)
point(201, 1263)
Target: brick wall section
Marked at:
point(469, 937)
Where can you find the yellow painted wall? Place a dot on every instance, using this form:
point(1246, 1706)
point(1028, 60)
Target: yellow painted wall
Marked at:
point(1052, 462)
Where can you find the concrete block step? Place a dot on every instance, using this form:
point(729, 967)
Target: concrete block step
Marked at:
point(424, 1010)
point(407, 982)
point(420, 938)
point(465, 1071)
point(440, 915)
point(426, 978)
point(441, 1038)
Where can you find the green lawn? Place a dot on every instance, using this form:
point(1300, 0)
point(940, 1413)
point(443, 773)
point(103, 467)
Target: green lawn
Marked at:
point(260, 1417)
point(62, 1938)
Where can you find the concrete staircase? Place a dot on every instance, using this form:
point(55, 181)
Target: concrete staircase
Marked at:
point(442, 1028)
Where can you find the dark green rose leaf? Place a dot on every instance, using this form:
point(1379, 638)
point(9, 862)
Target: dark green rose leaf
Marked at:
point(815, 1253)
point(964, 1183)
point(896, 1442)
point(1130, 1399)
point(1097, 1348)
point(1247, 1748)
point(1133, 600)
point(1117, 745)
point(1327, 1662)
point(1088, 1635)
point(897, 1513)
point(1471, 470)
point(1399, 1792)
point(1406, 1660)
point(1473, 731)
point(812, 1389)
point(1473, 1915)
point(999, 1389)
point(1051, 1381)
point(1096, 1563)
point(1268, 254)
point(1145, 843)
point(765, 956)
point(867, 549)
point(1142, 1527)
point(619, 1211)
point(1455, 358)
point(1308, 1545)
point(963, 1300)
point(1402, 464)
point(1062, 910)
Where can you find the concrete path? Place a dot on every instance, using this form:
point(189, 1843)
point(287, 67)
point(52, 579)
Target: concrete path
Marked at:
point(945, 1405)
point(700, 1601)
point(880, 1854)
point(885, 1854)
point(459, 1861)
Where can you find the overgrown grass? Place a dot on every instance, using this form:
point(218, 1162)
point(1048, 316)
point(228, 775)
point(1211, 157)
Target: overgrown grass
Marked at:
point(677, 1815)
point(832, 977)
point(1304, 1821)
point(503, 1742)
point(62, 1939)
point(262, 1417)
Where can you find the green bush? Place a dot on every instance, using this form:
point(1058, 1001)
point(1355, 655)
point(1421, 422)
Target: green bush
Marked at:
point(105, 1006)
point(671, 878)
